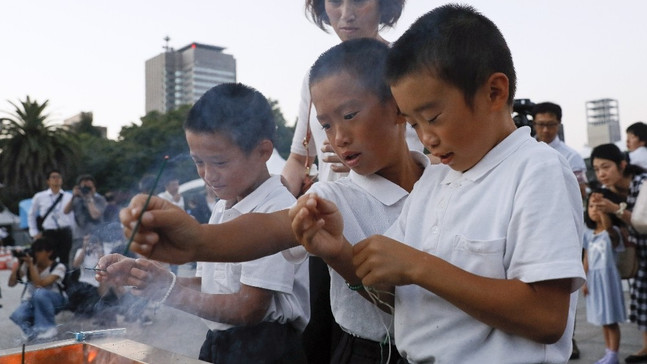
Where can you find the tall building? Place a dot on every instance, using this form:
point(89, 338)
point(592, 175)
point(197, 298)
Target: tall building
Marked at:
point(603, 121)
point(180, 77)
point(74, 121)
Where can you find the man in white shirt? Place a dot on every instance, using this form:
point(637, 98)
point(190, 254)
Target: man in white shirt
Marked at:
point(547, 118)
point(57, 225)
point(172, 192)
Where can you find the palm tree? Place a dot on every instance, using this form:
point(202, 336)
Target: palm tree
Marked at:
point(30, 146)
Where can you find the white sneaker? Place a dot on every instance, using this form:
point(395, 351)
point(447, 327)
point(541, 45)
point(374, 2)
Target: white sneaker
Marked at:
point(47, 334)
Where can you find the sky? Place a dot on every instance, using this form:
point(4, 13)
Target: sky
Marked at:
point(90, 55)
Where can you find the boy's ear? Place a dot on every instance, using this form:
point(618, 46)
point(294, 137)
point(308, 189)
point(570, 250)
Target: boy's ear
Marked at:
point(498, 85)
point(265, 148)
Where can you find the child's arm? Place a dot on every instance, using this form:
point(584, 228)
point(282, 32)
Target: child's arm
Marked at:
point(614, 234)
point(167, 233)
point(245, 307)
point(318, 226)
point(537, 311)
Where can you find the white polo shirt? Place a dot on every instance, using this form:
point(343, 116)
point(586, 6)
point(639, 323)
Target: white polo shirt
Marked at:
point(369, 205)
point(517, 214)
point(291, 299)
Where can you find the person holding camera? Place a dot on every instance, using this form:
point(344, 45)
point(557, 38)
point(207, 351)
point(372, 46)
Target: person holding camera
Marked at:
point(47, 216)
point(44, 295)
point(88, 207)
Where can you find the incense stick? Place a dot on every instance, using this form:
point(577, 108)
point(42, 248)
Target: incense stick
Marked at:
point(96, 269)
point(150, 194)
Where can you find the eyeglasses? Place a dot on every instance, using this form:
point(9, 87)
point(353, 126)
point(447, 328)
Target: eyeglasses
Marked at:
point(545, 125)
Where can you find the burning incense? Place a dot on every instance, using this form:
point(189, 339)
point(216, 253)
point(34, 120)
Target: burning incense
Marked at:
point(139, 220)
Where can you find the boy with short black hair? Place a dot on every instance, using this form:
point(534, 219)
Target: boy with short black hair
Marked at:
point(485, 268)
point(255, 310)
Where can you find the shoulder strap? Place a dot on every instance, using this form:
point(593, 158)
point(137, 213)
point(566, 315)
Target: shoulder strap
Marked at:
point(60, 196)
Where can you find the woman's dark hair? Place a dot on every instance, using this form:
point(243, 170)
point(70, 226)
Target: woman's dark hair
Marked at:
point(611, 152)
point(390, 11)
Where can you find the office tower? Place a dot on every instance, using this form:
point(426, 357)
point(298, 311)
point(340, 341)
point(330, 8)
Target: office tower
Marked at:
point(603, 121)
point(179, 77)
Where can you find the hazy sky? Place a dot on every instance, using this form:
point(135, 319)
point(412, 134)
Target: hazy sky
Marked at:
point(89, 55)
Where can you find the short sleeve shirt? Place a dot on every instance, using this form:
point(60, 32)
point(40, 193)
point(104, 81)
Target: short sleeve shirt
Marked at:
point(290, 300)
point(517, 214)
point(369, 205)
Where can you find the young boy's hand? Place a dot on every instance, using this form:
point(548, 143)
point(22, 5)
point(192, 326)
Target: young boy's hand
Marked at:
point(318, 226)
point(381, 261)
point(150, 279)
point(115, 269)
point(166, 232)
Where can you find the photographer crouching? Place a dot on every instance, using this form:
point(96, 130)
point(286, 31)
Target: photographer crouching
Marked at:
point(43, 296)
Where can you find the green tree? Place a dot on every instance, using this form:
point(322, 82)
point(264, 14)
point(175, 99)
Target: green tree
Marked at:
point(29, 147)
point(143, 147)
point(284, 133)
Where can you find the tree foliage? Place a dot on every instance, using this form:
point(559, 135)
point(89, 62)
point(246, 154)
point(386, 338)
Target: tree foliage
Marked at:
point(284, 133)
point(30, 146)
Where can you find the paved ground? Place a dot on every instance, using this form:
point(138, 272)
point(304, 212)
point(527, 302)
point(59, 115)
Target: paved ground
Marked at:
point(183, 333)
point(171, 329)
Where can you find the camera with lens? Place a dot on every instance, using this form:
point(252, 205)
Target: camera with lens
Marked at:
point(21, 253)
point(86, 190)
point(522, 113)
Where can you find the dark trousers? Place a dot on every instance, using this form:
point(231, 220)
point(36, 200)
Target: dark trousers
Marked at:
point(267, 342)
point(355, 350)
point(322, 334)
point(63, 240)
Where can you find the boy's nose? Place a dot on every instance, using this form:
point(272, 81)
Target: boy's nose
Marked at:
point(342, 138)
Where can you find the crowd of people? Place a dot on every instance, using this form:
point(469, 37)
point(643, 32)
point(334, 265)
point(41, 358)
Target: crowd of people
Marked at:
point(393, 256)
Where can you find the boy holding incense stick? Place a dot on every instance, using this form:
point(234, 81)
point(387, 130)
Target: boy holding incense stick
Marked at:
point(255, 310)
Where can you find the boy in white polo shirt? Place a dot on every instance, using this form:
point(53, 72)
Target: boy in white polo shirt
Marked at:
point(486, 255)
point(255, 310)
point(356, 109)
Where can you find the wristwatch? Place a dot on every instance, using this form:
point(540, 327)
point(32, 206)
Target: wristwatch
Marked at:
point(621, 209)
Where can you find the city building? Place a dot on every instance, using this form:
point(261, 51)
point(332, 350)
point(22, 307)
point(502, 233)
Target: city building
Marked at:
point(603, 122)
point(180, 77)
point(87, 116)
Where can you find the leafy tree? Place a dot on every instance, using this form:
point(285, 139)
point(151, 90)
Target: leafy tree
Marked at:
point(284, 133)
point(30, 146)
point(143, 147)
